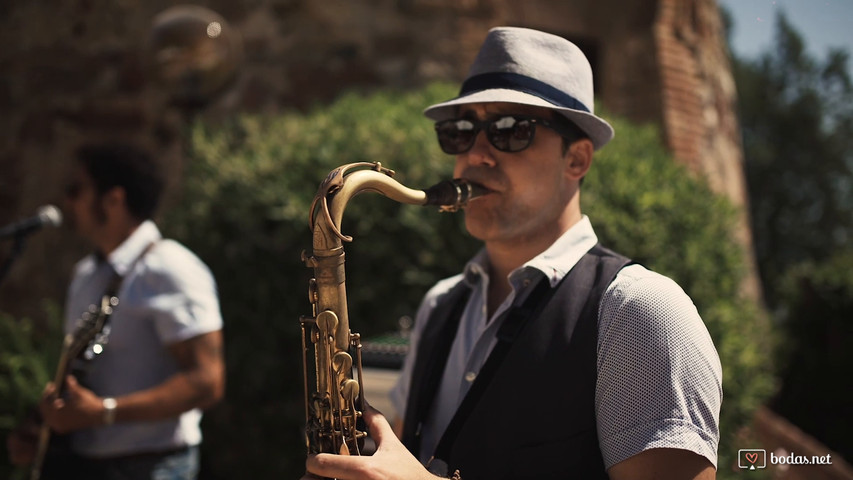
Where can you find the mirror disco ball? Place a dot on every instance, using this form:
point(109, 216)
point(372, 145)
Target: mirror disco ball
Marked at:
point(194, 53)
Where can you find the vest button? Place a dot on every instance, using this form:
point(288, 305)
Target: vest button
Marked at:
point(470, 376)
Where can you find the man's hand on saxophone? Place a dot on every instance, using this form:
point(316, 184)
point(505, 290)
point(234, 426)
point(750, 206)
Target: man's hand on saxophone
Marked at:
point(391, 461)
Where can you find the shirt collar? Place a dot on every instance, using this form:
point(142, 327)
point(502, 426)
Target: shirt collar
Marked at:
point(555, 262)
point(122, 257)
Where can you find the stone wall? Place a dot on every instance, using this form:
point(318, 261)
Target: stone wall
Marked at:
point(699, 106)
point(81, 70)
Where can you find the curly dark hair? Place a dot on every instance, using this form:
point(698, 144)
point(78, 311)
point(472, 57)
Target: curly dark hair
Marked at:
point(129, 167)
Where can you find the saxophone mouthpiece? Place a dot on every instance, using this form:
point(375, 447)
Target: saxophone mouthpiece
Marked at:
point(451, 195)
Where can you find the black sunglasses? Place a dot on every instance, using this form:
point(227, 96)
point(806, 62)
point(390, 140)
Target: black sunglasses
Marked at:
point(510, 133)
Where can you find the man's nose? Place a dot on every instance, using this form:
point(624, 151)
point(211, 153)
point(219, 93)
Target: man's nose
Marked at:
point(482, 152)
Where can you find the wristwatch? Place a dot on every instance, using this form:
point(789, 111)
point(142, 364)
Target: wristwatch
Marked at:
point(109, 410)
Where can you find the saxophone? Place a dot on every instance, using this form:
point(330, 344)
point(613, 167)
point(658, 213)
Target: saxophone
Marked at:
point(331, 364)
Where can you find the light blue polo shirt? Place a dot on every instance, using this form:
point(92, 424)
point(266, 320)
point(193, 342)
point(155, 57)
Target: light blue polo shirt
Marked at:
point(168, 296)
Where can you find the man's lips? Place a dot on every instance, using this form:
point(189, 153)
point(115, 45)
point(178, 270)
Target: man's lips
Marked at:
point(483, 188)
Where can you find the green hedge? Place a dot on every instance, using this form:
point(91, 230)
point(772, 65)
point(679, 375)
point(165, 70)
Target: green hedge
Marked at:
point(651, 209)
point(246, 199)
point(815, 357)
point(244, 209)
point(28, 359)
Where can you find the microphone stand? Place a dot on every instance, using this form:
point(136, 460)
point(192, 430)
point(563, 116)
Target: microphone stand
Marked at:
point(17, 248)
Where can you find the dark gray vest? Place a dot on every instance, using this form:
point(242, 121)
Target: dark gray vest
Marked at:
point(535, 417)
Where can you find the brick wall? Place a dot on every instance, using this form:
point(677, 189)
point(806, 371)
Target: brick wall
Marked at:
point(699, 105)
point(81, 70)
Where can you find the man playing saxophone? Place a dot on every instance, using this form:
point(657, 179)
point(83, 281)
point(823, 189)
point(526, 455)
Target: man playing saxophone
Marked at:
point(549, 356)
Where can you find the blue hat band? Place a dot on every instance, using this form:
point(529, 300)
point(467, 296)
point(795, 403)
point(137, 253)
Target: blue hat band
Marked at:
point(521, 83)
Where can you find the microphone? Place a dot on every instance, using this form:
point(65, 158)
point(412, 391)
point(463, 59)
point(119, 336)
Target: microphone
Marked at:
point(46, 216)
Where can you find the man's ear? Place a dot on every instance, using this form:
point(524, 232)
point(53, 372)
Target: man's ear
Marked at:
point(580, 158)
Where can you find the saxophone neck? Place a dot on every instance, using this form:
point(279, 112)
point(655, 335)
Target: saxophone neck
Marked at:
point(337, 190)
point(347, 181)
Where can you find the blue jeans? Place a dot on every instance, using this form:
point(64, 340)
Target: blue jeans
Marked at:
point(178, 466)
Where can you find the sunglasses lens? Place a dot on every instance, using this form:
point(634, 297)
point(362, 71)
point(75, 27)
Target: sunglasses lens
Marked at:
point(510, 134)
point(456, 136)
point(507, 134)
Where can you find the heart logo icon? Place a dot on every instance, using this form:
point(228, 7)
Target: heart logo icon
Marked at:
point(752, 457)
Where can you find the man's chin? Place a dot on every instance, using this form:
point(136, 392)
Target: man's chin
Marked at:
point(478, 223)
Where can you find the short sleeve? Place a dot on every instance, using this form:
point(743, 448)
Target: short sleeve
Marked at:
point(186, 303)
point(659, 376)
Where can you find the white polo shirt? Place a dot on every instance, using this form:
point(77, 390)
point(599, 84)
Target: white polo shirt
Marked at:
point(168, 296)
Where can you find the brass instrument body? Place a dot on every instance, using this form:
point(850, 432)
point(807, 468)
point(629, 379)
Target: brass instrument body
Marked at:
point(331, 351)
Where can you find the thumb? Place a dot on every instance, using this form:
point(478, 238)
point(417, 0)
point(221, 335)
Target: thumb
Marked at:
point(72, 386)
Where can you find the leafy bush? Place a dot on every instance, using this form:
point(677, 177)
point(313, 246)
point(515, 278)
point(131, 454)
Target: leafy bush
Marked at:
point(28, 359)
point(247, 194)
point(649, 208)
point(815, 357)
point(796, 112)
point(244, 210)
